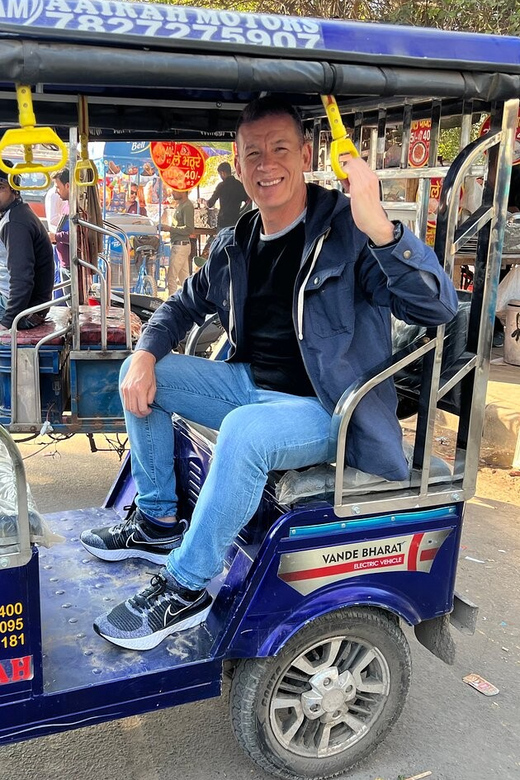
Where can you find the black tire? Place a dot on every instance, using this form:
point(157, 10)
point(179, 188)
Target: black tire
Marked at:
point(283, 739)
point(149, 286)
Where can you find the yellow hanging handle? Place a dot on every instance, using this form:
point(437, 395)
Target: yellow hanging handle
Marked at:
point(341, 143)
point(28, 136)
point(84, 163)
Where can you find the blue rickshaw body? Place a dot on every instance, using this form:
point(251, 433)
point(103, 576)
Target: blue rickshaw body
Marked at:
point(61, 675)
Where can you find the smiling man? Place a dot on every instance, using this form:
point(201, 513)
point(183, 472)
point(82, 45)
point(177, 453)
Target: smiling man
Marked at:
point(305, 286)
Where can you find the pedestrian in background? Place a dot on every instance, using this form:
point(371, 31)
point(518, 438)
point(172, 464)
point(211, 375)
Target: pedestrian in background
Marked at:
point(231, 195)
point(26, 258)
point(180, 245)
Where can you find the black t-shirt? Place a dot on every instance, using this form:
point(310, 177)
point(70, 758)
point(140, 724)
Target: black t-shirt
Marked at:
point(231, 194)
point(270, 339)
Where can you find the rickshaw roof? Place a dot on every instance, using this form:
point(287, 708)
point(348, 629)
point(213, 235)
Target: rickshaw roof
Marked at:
point(183, 28)
point(199, 66)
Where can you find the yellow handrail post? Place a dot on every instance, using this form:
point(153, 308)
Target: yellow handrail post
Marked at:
point(84, 163)
point(28, 135)
point(341, 143)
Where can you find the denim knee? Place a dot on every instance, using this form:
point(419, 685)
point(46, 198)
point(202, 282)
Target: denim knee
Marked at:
point(243, 434)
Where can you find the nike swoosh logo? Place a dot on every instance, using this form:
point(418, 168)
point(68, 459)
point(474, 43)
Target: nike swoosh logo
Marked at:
point(169, 614)
point(152, 543)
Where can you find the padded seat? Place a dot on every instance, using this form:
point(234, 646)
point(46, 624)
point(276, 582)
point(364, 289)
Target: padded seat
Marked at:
point(90, 326)
point(57, 318)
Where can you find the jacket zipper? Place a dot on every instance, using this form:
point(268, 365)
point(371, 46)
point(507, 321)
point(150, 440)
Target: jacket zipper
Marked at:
point(301, 291)
point(232, 323)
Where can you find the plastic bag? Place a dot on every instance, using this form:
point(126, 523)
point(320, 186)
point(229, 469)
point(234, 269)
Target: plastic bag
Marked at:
point(319, 480)
point(40, 532)
point(508, 290)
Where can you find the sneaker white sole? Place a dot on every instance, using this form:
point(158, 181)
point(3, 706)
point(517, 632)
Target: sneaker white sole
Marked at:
point(123, 554)
point(152, 640)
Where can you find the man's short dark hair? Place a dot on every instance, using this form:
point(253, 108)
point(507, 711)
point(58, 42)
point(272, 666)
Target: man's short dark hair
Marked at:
point(224, 167)
point(271, 105)
point(63, 175)
point(5, 176)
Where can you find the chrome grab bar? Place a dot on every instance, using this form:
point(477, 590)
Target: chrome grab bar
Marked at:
point(23, 555)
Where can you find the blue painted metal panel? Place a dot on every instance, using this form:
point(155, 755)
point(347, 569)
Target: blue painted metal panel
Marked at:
point(123, 490)
point(20, 640)
point(272, 609)
point(256, 611)
point(94, 391)
point(181, 27)
point(86, 679)
point(54, 384)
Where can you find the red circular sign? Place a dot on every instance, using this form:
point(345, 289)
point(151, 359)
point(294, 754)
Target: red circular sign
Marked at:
point(419, 150)
point(516, 151)
point(181, 165)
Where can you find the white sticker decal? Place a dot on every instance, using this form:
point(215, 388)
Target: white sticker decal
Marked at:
point(312, 569)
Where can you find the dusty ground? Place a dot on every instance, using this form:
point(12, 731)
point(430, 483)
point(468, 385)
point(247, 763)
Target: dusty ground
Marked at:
point(499, 484)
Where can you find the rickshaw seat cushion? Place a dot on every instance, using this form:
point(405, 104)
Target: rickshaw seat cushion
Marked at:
point(57, 318)
point(90, 326)
point(294, 486)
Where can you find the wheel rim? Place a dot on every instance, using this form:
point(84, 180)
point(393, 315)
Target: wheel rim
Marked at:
point(329, 697)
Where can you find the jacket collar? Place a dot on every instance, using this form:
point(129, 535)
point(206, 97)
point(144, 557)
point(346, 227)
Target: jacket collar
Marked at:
point(322, 207)
point(15, 202)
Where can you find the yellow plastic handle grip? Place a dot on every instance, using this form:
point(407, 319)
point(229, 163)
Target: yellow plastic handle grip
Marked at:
point(341, 143)
point(20, 187)
point(28, 136)
point(90, 167)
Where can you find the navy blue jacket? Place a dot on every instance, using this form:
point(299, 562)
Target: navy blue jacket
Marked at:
point(30, 261)
point(344, 295)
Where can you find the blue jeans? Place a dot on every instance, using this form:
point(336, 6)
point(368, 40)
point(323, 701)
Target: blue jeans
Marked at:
point(259, 430)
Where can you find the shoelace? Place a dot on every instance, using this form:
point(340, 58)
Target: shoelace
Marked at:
point(128, 525)
point(157, 587)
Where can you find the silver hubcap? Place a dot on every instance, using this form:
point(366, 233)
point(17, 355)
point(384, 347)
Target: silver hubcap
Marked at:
point(329, 697)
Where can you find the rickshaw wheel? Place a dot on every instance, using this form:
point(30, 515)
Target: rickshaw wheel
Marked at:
point(327, 699)
point(149, 286)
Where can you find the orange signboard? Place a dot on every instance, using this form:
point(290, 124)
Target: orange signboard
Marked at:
point(181, 165)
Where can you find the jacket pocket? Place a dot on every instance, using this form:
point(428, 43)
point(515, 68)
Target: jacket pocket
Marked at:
point(329, 303)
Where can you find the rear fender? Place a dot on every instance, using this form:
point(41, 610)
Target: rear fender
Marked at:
point(391, 602)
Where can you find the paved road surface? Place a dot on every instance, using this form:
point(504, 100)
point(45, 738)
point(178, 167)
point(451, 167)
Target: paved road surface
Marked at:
point(447, 727)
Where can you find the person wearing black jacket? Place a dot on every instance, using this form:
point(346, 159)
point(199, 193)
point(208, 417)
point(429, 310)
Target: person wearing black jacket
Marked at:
point(28, 257)
point(231, 195)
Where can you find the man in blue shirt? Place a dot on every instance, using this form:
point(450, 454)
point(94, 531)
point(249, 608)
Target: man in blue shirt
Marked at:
point(305, 287)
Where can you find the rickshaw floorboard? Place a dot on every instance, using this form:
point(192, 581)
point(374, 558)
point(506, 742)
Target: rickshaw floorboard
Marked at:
point(75, 589)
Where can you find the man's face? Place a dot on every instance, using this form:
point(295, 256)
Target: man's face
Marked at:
point(7, 195)
point(271, 161)
point(62, 189)
point(133, 193)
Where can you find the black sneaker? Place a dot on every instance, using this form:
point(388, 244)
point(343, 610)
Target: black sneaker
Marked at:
point(142, 622)
point(136, 537)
